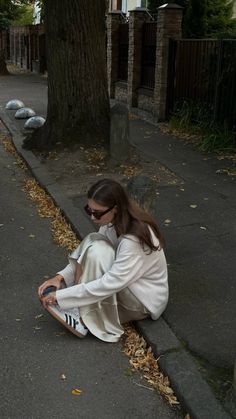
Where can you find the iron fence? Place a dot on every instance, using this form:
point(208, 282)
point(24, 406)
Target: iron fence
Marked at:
point(203, 72)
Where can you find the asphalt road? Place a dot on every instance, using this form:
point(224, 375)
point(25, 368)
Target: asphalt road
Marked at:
point(36, 350)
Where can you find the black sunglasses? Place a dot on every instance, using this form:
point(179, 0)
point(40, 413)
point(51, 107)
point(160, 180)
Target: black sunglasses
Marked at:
point(95, 213)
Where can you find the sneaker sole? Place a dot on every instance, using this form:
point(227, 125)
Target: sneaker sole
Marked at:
point(63, 322)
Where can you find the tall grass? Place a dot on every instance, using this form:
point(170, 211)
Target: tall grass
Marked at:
point(197, 119)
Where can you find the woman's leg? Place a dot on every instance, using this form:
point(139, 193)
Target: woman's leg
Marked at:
point(102, 318)
point(95, 255)
point(129, 307)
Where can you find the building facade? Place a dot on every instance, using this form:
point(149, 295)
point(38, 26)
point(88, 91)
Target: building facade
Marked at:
point(126, 5)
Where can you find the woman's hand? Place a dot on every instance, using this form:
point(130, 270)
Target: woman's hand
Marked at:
point(49, 299)
point(55, 282)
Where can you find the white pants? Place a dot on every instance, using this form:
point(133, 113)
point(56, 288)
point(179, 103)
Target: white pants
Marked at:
point(104, 318)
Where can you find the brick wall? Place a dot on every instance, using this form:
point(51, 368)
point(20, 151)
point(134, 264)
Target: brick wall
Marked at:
point(168, 26)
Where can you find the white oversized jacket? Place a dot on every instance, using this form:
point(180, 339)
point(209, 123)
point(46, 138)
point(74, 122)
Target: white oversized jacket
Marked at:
point(144, 273)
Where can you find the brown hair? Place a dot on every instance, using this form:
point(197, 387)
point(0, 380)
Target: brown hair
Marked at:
point(129, 219)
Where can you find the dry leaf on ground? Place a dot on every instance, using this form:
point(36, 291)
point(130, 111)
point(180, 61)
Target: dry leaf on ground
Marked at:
point(142, 359)
point(61, 230)
point(76, 392)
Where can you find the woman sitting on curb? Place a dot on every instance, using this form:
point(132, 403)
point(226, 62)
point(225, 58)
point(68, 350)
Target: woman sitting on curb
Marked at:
point(114, 276)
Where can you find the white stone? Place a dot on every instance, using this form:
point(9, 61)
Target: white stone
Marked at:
point(24, 113)
point(34, 122)
point(14, 104)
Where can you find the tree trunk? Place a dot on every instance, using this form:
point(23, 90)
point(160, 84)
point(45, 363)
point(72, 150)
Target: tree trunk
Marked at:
point(78, 103)
point(3, 67)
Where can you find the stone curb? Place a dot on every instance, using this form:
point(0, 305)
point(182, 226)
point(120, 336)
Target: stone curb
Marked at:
point(194, 394)
point(73, 215)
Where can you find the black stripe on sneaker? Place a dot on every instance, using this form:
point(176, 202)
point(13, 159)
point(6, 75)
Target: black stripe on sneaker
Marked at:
point(68, 319)
point(74, 323)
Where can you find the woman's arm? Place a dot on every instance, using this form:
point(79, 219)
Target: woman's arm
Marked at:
point(67, 274)
point(55, 282)
point(127, 268)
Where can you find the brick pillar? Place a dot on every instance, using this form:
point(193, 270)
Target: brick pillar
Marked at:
point(169, 22)
point(114, 19)
point(136, 19)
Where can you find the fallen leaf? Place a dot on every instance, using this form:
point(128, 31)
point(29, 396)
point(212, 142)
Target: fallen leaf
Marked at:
point(62, 377)
point(1, 225)
point(32, 236)
point(203, 228)
point(227, 171)
point(38, 316)
point(167, 221)
point(18, 320)
point(62, 232)
point(60, 334)
point(193, 206)
point(37, 328)
point(76, 392)
point(142, 359)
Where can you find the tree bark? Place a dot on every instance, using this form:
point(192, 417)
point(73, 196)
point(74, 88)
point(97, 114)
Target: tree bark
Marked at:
point(78, 103)
point(3, 67)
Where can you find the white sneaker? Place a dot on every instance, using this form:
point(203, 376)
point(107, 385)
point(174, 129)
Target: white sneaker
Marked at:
point(70, 319)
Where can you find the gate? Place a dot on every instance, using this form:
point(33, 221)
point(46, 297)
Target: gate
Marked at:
point(203, 72)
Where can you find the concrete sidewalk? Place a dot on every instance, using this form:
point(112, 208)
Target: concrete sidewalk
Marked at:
point(196, 338)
